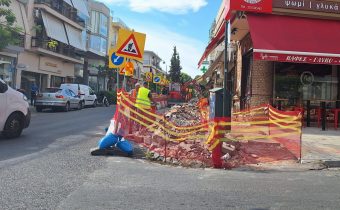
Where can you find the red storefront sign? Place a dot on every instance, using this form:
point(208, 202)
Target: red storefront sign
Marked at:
point(291, 58)
point(259, 6)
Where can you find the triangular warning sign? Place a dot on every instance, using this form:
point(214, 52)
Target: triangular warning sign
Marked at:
point(130, 48)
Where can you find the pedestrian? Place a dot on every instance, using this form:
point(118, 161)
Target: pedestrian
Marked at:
point(134, 92)
point(34, 93)
point(144, 97)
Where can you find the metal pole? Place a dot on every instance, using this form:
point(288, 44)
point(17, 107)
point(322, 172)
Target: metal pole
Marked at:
point(308, 113)
point(118, 78)
point(323, 111)
point(226, 97)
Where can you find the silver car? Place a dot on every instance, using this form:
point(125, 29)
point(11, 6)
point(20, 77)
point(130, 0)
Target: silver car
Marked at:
point(57, 98)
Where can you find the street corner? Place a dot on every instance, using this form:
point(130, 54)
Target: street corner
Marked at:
point(286, 166)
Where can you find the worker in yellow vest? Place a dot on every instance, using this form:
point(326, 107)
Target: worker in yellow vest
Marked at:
point(144, 97)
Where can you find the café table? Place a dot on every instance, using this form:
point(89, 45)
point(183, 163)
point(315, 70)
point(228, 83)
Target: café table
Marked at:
point(322, 112)
point(279, 102)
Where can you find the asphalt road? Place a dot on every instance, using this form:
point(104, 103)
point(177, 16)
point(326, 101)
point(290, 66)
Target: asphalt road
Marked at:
point(50, 168)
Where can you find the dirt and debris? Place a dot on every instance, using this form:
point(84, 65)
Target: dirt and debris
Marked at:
point(193, 152)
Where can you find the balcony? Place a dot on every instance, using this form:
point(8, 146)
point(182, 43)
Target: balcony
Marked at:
point(62, 8)
point(151, 63)
point(56, 49)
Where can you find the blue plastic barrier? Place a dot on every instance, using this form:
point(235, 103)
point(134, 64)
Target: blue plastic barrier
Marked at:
point(108, 141)
point(125, 146)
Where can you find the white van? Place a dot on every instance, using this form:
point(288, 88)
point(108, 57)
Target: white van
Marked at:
point(14, 111)
point(87, 95)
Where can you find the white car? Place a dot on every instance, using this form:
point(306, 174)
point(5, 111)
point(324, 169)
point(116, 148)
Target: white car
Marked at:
point(14, 111)
point(86, 94)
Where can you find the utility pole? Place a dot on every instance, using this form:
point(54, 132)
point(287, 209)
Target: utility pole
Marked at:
point(226, 92)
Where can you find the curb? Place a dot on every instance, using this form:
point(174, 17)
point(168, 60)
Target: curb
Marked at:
point(332, 164)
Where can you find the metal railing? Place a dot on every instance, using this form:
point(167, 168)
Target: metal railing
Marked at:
point(63, 9)
point(55, 46)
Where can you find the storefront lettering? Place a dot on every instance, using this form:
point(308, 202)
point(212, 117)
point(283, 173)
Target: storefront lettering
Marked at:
point(323, 60)
point(295, 3)
point(311, 5)
point(296, 58)
point(51, 64)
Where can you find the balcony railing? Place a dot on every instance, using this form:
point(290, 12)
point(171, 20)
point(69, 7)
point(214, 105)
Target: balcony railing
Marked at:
point(56, 47)
point(62, 8)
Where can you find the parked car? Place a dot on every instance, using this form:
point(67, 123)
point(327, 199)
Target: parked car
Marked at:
point(57, 98)
point(14, 111)
point(87, 95)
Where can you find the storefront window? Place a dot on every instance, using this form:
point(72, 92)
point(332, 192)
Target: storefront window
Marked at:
point(6, 72)
point(301, 82)
point(93, 82)
point(28, 78)
point(57, 81)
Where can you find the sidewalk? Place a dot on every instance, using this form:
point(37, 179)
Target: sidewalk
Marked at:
point(320, 145)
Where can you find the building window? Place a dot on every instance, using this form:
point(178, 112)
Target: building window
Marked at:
point(95, 43)
point(98, 44)
point(94, 22)
point(99, 23)
point(103, 25)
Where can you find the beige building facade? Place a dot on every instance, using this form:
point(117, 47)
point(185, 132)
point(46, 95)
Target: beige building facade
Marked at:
point(53, 43)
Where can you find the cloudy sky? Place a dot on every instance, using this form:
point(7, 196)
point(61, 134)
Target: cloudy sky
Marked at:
point(184, 23)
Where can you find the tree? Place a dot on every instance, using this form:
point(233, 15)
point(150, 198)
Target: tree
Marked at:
point(175, 68)
point(185, 78)
point(8, 31)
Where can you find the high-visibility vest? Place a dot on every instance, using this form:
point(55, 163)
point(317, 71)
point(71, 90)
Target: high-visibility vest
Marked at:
point(143, 100)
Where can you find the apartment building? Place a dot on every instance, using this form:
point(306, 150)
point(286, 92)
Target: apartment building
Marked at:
point(9, 55)
point(54, 42)
point(97, 36)
point(151, 63)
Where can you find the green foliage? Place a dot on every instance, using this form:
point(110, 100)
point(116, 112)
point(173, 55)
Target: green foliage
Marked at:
point(175, 68)
point(110, 95)
point(8, 32)
point(52, 44)
point(185, 78)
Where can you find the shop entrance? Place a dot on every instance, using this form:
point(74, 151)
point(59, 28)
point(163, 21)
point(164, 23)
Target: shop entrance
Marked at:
point(28, 78)
point(307, 87)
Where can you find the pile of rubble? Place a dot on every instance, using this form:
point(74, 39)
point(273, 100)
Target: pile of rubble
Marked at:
point(193, 152)
point(184, 115)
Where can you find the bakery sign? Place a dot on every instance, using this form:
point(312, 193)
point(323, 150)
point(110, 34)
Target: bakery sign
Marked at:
point(259, 6)
point(291, 58)
point(309, 5)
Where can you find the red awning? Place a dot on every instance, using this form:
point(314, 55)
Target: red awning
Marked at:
point(295, 39)
point(213, 44)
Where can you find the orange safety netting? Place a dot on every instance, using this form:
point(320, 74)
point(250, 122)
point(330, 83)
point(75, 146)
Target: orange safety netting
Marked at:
point(261, 131)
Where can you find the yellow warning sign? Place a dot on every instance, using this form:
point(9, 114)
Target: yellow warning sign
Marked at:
point(131, 44)
point(148, 76)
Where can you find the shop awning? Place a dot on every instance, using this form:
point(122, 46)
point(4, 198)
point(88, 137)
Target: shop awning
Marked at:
point(213, 44)
point(54, 28)
point(75, 37)
point(295, 39)
point(80, 5)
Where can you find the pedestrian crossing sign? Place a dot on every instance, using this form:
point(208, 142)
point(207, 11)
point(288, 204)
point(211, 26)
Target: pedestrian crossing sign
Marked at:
point(131, 44)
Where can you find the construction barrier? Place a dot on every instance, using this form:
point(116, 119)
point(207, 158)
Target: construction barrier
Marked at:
point(250, 130)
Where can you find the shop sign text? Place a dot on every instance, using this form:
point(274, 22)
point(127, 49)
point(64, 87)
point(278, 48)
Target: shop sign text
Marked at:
point(259, 6)
point(297, 58)
point(310, 5)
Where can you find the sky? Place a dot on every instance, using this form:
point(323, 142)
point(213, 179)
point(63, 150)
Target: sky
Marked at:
point(168, 23)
